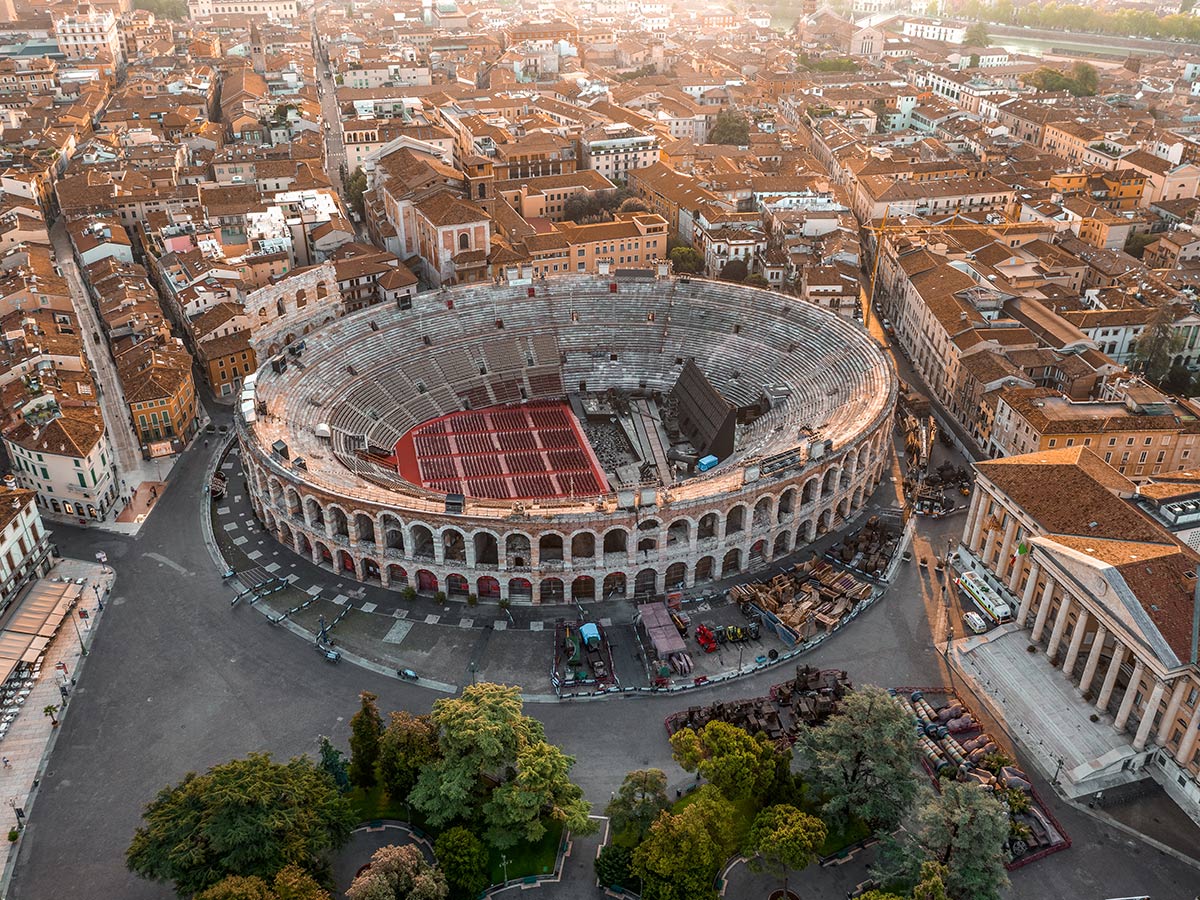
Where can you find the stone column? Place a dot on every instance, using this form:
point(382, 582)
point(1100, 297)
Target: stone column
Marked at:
point(1144, 726)
point(1188, 744)
point(1081, 625)
point(1164, 727)
point(1093, 660)
point(1014, 577)
point(1131, 690)
point(1010, 535)
point(1110, 678)
point(1035, 571)
point(975, 521)
point(1039, 623)
point(1060, 626)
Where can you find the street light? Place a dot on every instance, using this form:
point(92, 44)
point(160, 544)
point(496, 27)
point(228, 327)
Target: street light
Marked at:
point(83, 650)
point(99, 601)
point(472, 668)
point(504, 863)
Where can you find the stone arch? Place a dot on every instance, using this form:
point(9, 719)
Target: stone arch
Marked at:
point(345, 562)
point(704, 569)
point(268, 518)
point(783, 542)
point(487, 550)
point(274, 488)
point(393, 532)
point(517, 550)
point(731, 563)
point(646, 583)
point(707, 528)
point(858, 498)
point(550, 590)
point(804, 533)
point(679, 532)
point(583, 588)
point(825, 521)
point(397, 575)
point(303, 544)
point(314, 515)
point(759, 553)
point(762, 514)
point(843, 508)
point(583, 545)
point(520, 590)
point(616, 540)
point(457, 585)
point(422, 541)
point(370, 569)
point(285, 534)
point(675, 576)
point(614, 586)
point(812, 488)
point(323, 553)
point(487, 588)
point(829, 481)
point(338, 521)
point(550, 547)
point(427, 582)
point(735, 520)
point(464, 241)
point(787, 505)
point(365, 526)
point(864, 457)
point(454, 545)
point(292, 501)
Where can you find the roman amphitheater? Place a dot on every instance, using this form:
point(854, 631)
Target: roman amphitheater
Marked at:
point(574, 438)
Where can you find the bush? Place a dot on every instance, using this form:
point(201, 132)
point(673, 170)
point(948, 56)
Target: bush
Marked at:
point(439, 597)
point(472, 600)
point(13, 834)
point(464, 861)
point(614, 866)
point(409, 593)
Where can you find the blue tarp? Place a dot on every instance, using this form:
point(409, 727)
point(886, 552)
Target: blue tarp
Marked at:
point(590, 634)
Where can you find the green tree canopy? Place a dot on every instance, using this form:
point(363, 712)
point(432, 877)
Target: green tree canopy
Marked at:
point(737, 764)
point(333, 764)
point(290, 883)
point(399, 873)
point(541, 791)
point(963, 829)
point(860, 762)
point(977, 35)
point(1158, 343)
point(356, 186)
point(735, 270)
point(639, 800)
point(408, 743)
point(164, 9)
point(730, 128)
point(464, 860)
point(614, 866)
point(195, 833)
point(683, 852)
point(686, 260)
point(366, 727)
point(783, 838)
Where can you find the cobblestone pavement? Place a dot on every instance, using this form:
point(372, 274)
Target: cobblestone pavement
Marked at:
point(177, 681)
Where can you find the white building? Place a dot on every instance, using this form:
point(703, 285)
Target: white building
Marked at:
point(265, 9)
point(615, 150)
point(947, 32)
point(89, 33)
point(24, 543)
point(68, 462)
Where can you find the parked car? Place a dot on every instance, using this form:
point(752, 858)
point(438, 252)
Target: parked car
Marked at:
point(975, 622)
point(887, 325)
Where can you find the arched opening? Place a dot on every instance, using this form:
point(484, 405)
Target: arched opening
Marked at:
point(844, 480)
point(520, 590)
point(647, 544)
point(550, 548)
point(707, 527)
point(787, 505)
point(646, 583)
point(783, 542)
point(762, 514)
point(858, 498)
point(616, 541)
point(345, 562)
point(825, 520)
point(735, 521)
point(454, 547)
point(829, 483)
point(313, 513)
point(679, 532)
point(422, 539)
point(341, 526)
point(457, 585)
point(487, 588)
point(551, 590)
point(285, 535)
point(516, 549)
point(843, 508)
point(758, 553)
point(804, 533)
point(397, 576)
point(675, 577)
point(324, 554)
point(365, 526)
point(293, 501)
point(304, 546)
point(464, 241)
point(731, 563)
point(583, 545)
point(370, 569)
point(614, 586)
point(393, 534)
point(427, 582)
point(583, 588)
point(704, 569)
point(487, 549)
point(809, 494)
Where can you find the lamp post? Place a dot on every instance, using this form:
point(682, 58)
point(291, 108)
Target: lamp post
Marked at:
point(20, 813)
point(99, 600)
point(472, 668)
point(504, 863)
point(83, 650)
point(1058, 771)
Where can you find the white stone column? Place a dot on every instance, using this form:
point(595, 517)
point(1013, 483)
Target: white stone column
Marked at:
point(1035, 571)
point(1014, 575)
point(1110, 677)
point(1188, 744)
point(1135, 682)
point(1164, 727)
point(1010, 535)
point(1039, 623)
point(975, 520)
point(1093, 660)
point(1060, 625)
point(1081, 625)
point(1147, 722)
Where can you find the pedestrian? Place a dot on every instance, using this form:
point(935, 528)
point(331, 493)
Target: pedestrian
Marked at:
point(7, 764)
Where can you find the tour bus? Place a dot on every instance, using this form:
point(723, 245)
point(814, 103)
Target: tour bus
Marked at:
point(973, 585)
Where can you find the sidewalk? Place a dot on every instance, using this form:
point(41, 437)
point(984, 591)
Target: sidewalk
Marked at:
point(31, 737)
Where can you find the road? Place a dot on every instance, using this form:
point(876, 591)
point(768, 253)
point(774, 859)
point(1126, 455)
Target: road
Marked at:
point(335, 151)
point(104, 369)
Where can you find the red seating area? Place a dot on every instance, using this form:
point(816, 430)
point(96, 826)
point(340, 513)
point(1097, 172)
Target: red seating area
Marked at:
point(516, 451)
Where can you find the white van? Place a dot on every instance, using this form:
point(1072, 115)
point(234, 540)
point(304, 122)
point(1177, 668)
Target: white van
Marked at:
point(996, 609)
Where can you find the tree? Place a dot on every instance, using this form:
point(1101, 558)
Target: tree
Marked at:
point(962, 829)
point(737, 764)
point(633, 205)
point(1085, 78)
point(541, 791)
point(730, 128)
point(408, 743)
point(614, 866)
point(686, 260)
point(757, 280)
point(784, 838)
point(639, 800)
point(1158, 343)
point(356, 187)
point(290, 883)
point(464, 861)
point(1178, 381)
point(860, 761)
point(977, 35)
point(1137, 242)
point(683, 852)
point(195, 833)
point(734, 270)
point(50, 712)
point(164, 9)
point(366, 728)
point(333, 764)
point(399, 873)
point(932, 885)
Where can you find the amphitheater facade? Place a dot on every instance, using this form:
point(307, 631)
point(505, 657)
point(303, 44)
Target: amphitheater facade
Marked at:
point(314, 441)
